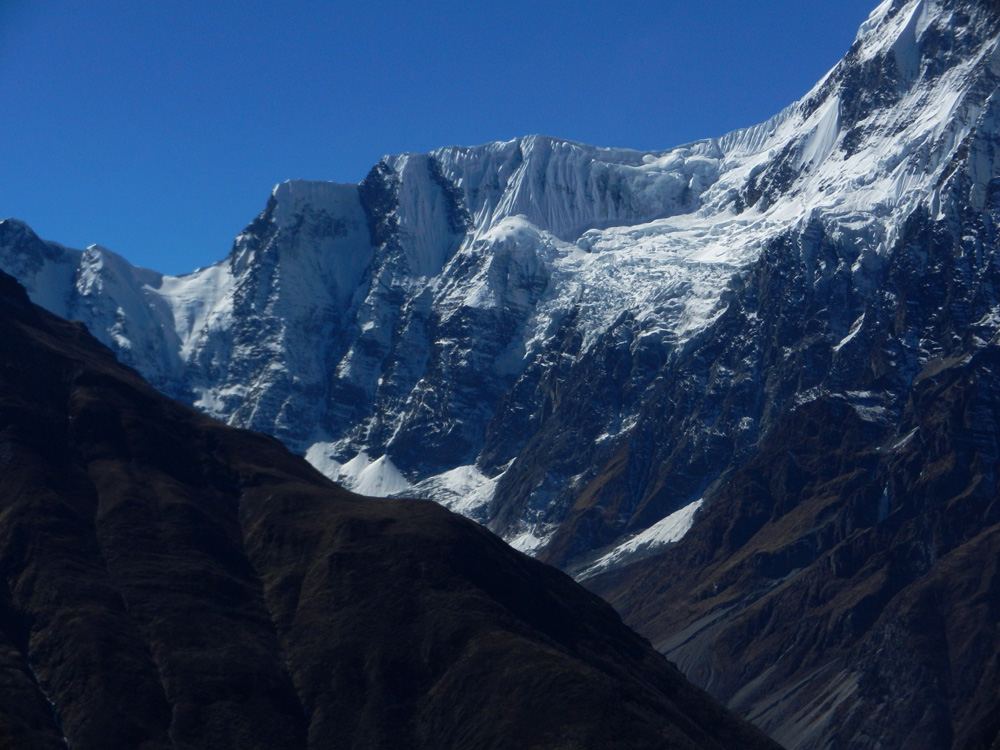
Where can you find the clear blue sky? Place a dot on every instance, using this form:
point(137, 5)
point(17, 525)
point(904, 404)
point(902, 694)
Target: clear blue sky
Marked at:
point(158, 128)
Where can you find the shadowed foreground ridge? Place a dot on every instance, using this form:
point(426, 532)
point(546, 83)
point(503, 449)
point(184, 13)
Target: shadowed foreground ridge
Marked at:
point(166, 581)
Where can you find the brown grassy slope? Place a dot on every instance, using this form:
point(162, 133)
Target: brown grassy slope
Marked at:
point(168, 582)
point(844, 591)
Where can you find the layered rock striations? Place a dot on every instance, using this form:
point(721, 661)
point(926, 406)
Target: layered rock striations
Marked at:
point(170, 582)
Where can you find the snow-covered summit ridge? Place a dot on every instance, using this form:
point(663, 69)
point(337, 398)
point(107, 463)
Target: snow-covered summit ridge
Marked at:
point(568, 188)
point(293, 198)
point(839, 150)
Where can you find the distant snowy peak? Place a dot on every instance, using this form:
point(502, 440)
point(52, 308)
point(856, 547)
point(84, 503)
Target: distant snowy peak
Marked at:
point(876, 133)
point(320, 226)
point(117, 300)
point(294, 198)
point(45, 269)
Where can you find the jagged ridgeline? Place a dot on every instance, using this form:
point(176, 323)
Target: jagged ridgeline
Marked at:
point(601, 355)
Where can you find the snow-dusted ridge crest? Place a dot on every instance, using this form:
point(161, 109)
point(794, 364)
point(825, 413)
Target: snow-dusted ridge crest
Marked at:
point(440, 327)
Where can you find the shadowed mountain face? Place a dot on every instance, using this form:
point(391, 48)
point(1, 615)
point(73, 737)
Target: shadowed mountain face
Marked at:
point(169, 582)
point(844, 589)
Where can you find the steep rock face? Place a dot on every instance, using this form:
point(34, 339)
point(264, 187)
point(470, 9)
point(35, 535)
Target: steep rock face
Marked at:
point(566, 342)
point(392, 319)
point(290, 278)
point(839, 586)
point(830, 281)
point(842, 589)
point(169, 582)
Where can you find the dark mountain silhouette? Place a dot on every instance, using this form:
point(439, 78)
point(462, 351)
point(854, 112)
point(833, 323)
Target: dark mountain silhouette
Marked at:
point(170, 582)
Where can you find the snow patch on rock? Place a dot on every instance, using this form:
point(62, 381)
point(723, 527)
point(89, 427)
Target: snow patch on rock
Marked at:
point(374, 478)
point(671, 529)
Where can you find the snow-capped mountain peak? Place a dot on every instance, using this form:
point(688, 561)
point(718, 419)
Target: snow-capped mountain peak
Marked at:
point(452, 310)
